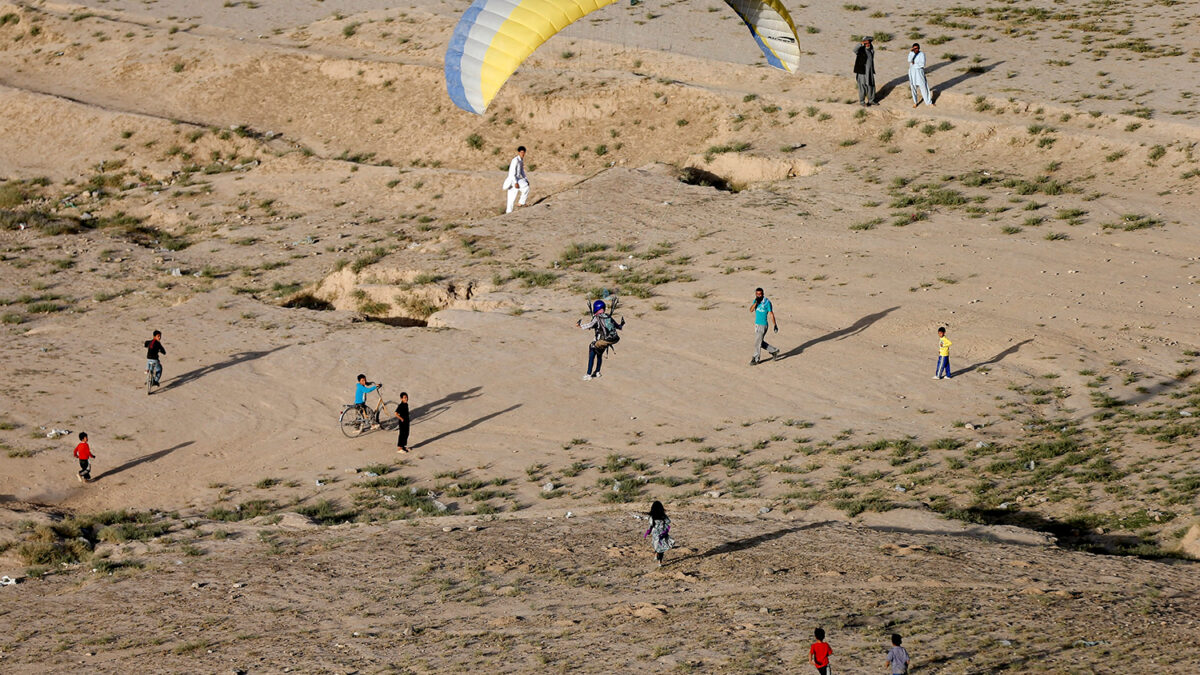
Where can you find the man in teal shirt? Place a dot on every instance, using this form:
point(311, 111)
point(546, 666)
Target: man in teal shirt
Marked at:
point(762, 310)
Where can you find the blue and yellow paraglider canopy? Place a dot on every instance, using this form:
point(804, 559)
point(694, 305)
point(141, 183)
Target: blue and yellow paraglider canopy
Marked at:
point(494, 37)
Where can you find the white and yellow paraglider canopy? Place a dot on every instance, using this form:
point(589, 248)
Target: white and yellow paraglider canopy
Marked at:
point(494, 37)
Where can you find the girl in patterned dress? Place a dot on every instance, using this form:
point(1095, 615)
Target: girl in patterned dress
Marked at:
point(660, 528)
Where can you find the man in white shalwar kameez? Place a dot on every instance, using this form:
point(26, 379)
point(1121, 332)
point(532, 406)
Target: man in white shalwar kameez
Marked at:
point(916, 76)
point(516, 182)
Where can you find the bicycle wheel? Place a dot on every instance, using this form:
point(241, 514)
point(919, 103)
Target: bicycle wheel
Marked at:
point(351, 422)
point(387, 415)
point(149, 381)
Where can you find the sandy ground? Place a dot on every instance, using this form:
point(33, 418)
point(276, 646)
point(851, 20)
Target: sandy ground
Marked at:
point(1043, 212)
point(737, 596)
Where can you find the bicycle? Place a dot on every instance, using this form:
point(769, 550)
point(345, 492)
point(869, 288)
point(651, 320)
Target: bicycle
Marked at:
point(153, 375)
point(354, 422)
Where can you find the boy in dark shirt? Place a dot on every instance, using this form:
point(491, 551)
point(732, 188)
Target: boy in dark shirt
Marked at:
point(402, 415)
point(153, 349)
point(83, 452)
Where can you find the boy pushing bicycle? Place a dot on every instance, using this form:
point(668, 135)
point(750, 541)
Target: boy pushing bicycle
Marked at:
point(360, 396)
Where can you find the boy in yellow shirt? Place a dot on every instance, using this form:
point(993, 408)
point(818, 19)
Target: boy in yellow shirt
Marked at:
point(943, 362)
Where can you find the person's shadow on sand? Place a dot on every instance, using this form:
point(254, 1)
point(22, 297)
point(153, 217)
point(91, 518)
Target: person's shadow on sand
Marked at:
point(886, 90)
point(142, 460)
point(935, 90)
point(193, 375)
point(971, 71)
point(749, 542)
point(995, 359)
point(842, 333)
point(468, 425)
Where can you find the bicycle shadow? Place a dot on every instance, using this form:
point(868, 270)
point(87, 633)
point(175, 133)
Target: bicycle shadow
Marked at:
point(432, 410)
point(142, 460)
point(193, 375)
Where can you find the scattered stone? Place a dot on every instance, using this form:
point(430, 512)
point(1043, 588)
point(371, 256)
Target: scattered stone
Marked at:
point(981, 445)
point(763, 610)
point(765, 509)
point(969, 426)
point(900, 488)
point(472, 528)
point(714, 494)
point(1185, 413)
point(240, 584)
point(199, 584)
point(440, 506)
point(548, 487)
point(648, 611)
point(449, 528)
point(569, 515)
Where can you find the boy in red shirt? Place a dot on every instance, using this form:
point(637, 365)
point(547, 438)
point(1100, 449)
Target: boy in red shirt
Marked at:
point(819, 652)
point(83, 452)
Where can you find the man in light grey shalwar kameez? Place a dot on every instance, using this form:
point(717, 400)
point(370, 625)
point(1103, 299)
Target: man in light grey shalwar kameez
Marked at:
point(916, 76)
point(864, 72)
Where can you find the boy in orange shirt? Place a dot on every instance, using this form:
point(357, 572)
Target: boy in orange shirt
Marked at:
point(83, 452)
point(819, 652)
